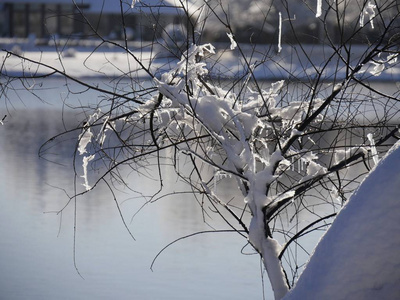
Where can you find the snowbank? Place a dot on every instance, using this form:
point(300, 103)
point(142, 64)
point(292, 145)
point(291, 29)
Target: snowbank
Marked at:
point(359, 256)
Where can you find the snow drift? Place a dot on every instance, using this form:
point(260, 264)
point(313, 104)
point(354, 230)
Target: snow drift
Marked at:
point(359, 257)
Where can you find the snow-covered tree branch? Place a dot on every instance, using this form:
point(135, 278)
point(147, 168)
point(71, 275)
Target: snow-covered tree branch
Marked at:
point(284, 124)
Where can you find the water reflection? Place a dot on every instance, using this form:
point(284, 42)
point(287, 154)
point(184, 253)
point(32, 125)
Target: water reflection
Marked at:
point(37, 249)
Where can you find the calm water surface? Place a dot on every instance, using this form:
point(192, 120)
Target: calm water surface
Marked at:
point(36, 244)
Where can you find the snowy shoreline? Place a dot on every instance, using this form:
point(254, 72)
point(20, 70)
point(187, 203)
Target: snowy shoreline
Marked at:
point(84, 62)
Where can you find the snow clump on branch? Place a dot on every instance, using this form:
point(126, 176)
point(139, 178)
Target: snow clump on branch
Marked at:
point(188, 100)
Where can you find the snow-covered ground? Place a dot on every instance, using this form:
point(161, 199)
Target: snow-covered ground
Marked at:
point(359, 256)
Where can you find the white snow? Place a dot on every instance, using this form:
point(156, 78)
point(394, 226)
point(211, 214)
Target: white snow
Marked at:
point(232, 126)
point(280, 33)
point(319, 9)
point(379, 65)
point(85, 162)
point(368, 10)
point(374, 152)
point(84, 139)
point(378, 68)
point(314, 170)
point(359, 257)
point(233, 43)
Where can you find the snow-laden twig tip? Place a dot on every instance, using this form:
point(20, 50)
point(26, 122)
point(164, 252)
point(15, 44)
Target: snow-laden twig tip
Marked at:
point(319, 9)
point(280, 33)
point(374, 152)
point(84, 139)
point(369, 10)
point(85, 162)
point(233, 43)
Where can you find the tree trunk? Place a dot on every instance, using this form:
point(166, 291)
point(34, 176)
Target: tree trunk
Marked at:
point(269, 250)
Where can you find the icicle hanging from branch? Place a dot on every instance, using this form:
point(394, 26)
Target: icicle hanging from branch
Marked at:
point(232, 40)
point(369, 10)
point(373, 148)
point(319, 9)
point(280, 33)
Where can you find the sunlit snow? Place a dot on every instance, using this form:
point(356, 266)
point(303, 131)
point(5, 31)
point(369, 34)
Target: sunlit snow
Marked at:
point(280, 33)
point(369, 10)
point(359, 258)
point(319, 9)
point(374, 152)
point(233, 43)
point(85, 162)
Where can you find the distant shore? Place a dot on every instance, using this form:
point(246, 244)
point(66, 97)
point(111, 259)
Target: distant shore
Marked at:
point(92, 58)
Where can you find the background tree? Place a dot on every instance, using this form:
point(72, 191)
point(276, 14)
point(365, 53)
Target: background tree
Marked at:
point(288, 144)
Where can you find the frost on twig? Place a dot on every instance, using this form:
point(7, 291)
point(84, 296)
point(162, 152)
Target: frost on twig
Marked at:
point(373, 148)
point(379, 65)
point(319, 9)
point(233, 43)
point(342, 155)
point(86, 137)
point(280, 33)
point(368, 10)
point(85, 162)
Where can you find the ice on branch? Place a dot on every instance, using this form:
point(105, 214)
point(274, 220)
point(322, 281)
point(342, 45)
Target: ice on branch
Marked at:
point(368, 10)
point(188, 65)
point(86, 160)
point(373, 148)
point(378, 68)
point(335, 194)
point(379, 65)
point(314, 169)
point(280, 33)
point(86, 136)
point(104, 128)
point(84, 139)
point(342, 155)
point(319, 9)
point(233, 43)
point(392, 58)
